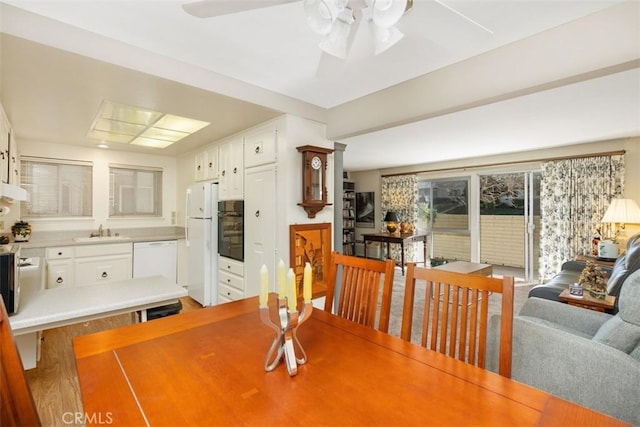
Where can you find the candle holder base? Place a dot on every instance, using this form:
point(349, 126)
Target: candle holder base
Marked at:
point(286, 344)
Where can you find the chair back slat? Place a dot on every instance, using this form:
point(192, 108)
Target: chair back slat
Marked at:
point(456, 313)
point(360, 289)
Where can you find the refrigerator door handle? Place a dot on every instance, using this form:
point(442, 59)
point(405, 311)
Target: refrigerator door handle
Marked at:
point(186, 217)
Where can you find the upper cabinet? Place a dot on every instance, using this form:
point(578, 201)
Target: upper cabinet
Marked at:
point(5, 131)
point(207, 164)
point(231, 170)
point(260, 148)
point(9, 160)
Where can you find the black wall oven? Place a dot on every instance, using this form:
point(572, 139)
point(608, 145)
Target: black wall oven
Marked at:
point(231, 229)
point(10, 277)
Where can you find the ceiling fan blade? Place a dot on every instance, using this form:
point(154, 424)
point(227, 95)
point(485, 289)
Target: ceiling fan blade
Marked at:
point(211, 8)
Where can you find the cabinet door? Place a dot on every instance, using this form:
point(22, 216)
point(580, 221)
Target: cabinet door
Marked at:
point(93, 270)
point(4, 150)
point(200, 166)
point(59, 273)
point(260, 148)
point(211, 163)
point(260, 226)
point(231, 174)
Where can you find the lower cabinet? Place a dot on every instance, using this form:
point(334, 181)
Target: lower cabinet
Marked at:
point(230, 280)
point(88, 264)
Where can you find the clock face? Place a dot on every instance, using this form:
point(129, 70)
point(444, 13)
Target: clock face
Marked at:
point(316, 163)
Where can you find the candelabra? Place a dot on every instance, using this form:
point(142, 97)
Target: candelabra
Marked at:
point(286, 343)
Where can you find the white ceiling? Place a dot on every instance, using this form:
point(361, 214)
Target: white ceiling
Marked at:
point(240, 69)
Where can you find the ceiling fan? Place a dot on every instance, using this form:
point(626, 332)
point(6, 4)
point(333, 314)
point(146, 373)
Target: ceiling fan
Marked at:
point(336, 20)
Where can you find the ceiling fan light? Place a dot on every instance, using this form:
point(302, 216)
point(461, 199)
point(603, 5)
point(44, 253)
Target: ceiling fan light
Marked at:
point(336, 42)
point(387, 13)
point(384, 38)
point(321, 14)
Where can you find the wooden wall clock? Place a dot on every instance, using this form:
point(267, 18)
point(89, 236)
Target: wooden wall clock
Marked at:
point(314, 178)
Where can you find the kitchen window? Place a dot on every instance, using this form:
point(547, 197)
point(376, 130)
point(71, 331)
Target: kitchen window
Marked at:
point(56, 188)
point(135, 191)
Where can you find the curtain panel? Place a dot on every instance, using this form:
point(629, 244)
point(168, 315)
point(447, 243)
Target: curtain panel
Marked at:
point(574, 195)
point(400, 194)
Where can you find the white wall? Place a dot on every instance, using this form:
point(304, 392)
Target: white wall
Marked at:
point(370, 180)
point(101, 159)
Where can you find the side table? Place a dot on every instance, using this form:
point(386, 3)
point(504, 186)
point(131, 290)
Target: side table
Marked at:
point(595, 260)
point(587, 301)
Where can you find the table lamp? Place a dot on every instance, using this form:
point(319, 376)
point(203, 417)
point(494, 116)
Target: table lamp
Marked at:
point(619, 213)
point(391, 219)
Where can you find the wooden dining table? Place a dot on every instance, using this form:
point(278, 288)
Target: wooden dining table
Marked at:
point(206, 367)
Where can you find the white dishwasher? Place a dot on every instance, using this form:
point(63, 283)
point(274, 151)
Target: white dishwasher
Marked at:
point(158, 258)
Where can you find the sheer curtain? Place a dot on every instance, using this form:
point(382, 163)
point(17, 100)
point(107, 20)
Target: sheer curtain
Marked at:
point(574, 195)
point(400, 194)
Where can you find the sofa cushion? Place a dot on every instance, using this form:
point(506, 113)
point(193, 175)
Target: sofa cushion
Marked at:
point(619, 334)
point(625, 265)
point(623, 330)
point(629, 300)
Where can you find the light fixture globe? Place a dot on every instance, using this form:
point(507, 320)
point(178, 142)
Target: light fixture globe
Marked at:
point(384, 38)
point(336, 42)
point(387, 13)
point(321, 14)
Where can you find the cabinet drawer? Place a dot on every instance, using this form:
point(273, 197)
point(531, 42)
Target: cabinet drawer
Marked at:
point(231, 266)
point(227, 293)
point(260, 149)
point(231, 280)
point(108, 249)
point(60, 252)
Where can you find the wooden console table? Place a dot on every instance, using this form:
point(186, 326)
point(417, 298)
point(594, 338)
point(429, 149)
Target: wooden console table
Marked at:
point(399, 239)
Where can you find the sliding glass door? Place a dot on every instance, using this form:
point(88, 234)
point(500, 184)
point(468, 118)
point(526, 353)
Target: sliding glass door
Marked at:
point(443, 213)
point(509, 222)
point(492, 218)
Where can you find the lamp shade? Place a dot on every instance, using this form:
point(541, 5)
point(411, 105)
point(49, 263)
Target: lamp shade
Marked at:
point(622, 211)
point(391, 216)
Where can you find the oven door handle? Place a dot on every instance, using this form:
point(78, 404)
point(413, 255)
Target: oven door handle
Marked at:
point(233, 214)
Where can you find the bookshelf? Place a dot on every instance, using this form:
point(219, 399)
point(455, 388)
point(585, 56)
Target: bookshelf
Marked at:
point(349, 218)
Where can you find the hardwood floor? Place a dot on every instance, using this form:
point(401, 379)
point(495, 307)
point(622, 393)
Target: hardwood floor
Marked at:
point(54, 382)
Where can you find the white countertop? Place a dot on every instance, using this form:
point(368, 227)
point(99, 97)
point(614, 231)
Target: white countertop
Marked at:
point(50, 308)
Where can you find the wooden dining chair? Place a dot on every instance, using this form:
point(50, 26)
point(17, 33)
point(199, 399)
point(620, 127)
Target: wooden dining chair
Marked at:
point(455, 316)
point(17, 407)
point(359, 289)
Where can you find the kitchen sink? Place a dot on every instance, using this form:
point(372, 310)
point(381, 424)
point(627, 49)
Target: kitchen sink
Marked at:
point(101, 239)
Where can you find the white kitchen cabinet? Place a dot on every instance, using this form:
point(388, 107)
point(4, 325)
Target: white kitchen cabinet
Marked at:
point(207, 164)
point(200, 160)
point(260, 206)
point(231, 170)
point(69, 266)
point(59, 267)
point(5, 130)
point(102, 269)
point(14, 161)
point(260, 148)
point(59, 273)
point(230, 279)
point(95, 264)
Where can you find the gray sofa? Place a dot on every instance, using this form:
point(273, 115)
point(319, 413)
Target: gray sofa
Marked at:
point(584, 356)
point(626, 264)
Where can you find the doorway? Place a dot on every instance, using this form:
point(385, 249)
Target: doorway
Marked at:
point(509, 218)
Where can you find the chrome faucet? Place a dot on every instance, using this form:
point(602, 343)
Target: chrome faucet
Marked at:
point(100, 231)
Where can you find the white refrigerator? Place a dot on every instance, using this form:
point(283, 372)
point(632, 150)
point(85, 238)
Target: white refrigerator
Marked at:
point(201, 233)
